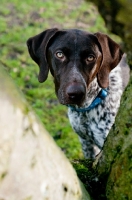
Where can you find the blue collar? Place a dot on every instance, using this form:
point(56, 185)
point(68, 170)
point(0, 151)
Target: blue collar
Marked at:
point(100, 97)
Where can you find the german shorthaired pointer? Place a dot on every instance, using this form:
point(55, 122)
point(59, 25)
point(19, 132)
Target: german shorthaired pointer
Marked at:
point(90, 74)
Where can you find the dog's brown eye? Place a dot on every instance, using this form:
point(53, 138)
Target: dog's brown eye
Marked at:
point(60, 55)
point(90, 58)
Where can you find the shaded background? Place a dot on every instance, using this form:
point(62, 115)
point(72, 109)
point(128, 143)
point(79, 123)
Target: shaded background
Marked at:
point(118, 17)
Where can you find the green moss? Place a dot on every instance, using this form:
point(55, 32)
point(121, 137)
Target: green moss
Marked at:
point(3, 175)
point(84, 171)
point(119, 184)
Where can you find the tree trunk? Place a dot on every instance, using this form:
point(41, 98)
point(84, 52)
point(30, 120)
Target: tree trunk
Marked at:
point(32, 167)
point(115, 166)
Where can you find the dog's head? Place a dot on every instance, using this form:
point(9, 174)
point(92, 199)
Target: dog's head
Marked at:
point(74, 58)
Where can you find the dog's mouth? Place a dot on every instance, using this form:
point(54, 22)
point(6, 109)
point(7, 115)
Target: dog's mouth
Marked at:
point(76, 100)
point(68, 102)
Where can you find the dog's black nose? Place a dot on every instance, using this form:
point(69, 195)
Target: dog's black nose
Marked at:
point(75, 92)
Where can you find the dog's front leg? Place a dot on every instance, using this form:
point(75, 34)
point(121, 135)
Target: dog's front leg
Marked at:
point(90, 150)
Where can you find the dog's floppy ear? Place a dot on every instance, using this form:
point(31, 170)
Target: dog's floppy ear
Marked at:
point(37, 49)
point(111, 56)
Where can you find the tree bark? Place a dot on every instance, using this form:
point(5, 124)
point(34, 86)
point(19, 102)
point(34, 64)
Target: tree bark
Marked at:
point(32, 167)
point(115, 166)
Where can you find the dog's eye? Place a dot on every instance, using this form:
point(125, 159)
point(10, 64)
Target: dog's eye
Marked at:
point(90, 58)
point(60, 55)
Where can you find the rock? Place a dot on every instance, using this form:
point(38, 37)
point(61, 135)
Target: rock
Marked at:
point(31, 165)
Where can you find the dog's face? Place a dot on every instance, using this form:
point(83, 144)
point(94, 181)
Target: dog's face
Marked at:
point(74, 58)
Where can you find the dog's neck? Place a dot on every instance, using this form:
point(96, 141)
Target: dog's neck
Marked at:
point(92, 92)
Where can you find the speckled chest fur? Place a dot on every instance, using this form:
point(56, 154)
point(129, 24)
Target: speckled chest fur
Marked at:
point(83, 64)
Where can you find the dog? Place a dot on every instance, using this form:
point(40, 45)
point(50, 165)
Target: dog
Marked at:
point(90, 74)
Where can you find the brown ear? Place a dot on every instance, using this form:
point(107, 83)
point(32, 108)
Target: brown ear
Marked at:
point(37, 49)
point(111, 54)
